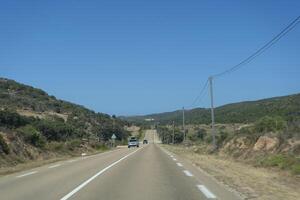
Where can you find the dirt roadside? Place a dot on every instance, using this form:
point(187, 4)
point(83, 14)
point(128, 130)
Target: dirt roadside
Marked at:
point(250, 182)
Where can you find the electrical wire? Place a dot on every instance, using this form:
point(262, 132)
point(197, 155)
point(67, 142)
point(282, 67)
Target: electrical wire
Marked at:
point(269, 44)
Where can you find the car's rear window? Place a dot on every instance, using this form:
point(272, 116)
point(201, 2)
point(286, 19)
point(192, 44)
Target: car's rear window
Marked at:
point(132, 140)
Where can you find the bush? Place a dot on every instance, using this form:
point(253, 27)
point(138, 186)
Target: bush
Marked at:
point(296, 169)
point(288, 162)
point(56, 146)
point(267, 124)
point(12, 119)
point(178, 136)
point(73, 144)
point(3, 146)
point(201, 133)
point(55, 130)
point(221, 137)
point(32, 136)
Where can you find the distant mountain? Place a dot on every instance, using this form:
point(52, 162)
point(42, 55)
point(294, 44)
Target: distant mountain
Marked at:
point(287, 107)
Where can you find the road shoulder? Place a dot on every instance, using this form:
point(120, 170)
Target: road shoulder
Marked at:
point(248, 181)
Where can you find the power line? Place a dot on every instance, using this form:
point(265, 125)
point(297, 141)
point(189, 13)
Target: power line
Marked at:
point(261, 50)
point(200, 95)
point(269, 44)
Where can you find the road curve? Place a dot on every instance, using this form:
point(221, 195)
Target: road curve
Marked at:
point(148, 172)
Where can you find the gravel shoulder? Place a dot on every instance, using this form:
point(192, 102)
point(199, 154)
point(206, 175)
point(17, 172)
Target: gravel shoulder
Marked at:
point(251, 182)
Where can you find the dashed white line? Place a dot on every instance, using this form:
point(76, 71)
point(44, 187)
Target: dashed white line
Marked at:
point(206, 192)
point(187, 173)
point(179, 164)
point(95, 176)
point(171, 156)
point(174, 159)
point(53, 166)
point(27, 174)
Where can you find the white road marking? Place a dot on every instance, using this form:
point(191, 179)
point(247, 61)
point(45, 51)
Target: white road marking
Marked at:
point(171, 156)
point(174, 159)
point(53, 166)
point(70, 161)
point(188, 173)
point(27, 174)
point(206, 192)
point(179, 164)
point(95, 176)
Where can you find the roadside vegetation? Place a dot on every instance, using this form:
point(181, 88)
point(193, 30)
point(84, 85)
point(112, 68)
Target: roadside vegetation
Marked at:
point(269, 142)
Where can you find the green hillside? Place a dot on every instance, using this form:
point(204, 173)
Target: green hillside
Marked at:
point(30, 115)
point(287, 107)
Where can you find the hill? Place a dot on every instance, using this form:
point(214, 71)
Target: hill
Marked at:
point(33, 123)
point(287, 107)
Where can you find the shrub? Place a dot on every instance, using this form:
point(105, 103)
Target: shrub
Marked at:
point(288, 162)
point(3, 145)
point(12, 119)
point(32, 136)
point(56, 146)
point(201, 133)
point(73, 144)
point(55, 130)
point(296, 169)
point(221, 137)
point(267, 124)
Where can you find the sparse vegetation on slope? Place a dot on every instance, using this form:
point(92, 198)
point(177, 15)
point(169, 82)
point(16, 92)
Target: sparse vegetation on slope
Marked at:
point(32, 123)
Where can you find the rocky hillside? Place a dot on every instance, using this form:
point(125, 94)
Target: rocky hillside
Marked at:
point(34, 124)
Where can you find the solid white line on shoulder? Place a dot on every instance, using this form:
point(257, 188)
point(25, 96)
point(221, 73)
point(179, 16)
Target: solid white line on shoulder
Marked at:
point(53, 166)
point(27, 174)
point(206, 192)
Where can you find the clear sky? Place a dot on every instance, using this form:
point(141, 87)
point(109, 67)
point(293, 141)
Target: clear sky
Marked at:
point(136, 57)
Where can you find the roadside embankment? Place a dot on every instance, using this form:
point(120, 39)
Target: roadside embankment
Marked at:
point(250, 181)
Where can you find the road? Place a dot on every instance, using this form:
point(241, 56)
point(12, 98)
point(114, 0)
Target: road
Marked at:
point(148, 172)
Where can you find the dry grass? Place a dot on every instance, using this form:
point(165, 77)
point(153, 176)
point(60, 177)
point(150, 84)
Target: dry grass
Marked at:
point(251, 182)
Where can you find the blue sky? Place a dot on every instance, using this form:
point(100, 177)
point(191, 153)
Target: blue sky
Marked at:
point(138, 57)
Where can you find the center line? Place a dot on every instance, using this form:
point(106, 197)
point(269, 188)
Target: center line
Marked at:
point(27, 174)
point(53, 166)
point(95, 176)
point(179, 164)
point(187, 173)
point(174, 159)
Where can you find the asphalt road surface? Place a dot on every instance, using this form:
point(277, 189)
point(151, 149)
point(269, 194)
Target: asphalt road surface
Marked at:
point(147, 172)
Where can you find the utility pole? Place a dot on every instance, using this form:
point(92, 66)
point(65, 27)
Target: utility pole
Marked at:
point(212, 113)
point(173, 139)
point(183, 125)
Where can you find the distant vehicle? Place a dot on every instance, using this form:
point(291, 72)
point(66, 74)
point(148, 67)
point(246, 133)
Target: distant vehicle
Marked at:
point(133, 142)
point(145, 142)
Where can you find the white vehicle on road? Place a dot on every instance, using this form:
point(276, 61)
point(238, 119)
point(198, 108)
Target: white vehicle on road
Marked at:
point(133, 142)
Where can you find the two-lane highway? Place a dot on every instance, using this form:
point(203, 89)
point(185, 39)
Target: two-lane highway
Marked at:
point(148, 172)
